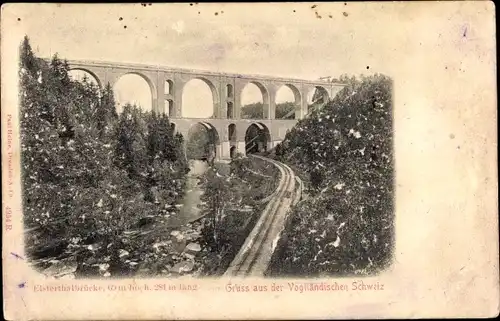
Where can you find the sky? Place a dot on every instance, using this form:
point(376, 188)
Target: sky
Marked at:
point(440, 54)
point(287, 40)
point(407, 41)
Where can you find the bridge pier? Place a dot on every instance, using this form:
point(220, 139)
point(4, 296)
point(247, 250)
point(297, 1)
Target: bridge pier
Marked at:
point(270, 112)
point(218, 152)
point(225, 150)
point(240, 147)
point(177, 97)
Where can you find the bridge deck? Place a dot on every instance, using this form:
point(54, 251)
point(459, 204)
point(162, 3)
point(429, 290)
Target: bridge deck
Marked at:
point(150, 67)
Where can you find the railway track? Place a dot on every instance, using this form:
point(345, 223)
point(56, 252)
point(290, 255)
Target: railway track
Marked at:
point(255, 254)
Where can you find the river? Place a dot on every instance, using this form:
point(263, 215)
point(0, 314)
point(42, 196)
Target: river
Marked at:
point(188, 208)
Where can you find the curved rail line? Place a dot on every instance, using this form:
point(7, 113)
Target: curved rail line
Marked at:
point(255, 254)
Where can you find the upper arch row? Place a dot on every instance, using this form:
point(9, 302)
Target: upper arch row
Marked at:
point(168, 90)
point(260, 84)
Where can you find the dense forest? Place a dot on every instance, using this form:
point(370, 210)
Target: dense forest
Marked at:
point(344, 152)
point(88, 174)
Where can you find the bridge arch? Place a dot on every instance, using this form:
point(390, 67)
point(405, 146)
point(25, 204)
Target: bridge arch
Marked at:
point(285, 110)
point(169, 87)
point(212, 128)
point(187, 100)
point(246, 96)
point(91, 73)
point(169, 107)
point(203, 142)
point(229, 91)
point(152, 89)
point(230, 110)
point(232, 133)
point(317, 97)
point(257, 138)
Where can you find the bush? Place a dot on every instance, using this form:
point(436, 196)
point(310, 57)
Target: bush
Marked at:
point(346, 150)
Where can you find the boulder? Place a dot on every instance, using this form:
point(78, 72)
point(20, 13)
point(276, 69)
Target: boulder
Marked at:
point(193, 248)
point(123, 253)
point(103, 267)
point(94, 247)
point(181, 267)
point(193, 235)
point(162, 245)
point(61, 268)
point(188, 256)
point(179, 245)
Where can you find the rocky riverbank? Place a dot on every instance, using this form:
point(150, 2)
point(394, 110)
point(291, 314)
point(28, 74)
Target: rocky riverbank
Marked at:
point(172, 244)
point(174, 253)
point(178, 254)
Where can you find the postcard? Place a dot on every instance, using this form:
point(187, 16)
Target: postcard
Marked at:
point(249, 161)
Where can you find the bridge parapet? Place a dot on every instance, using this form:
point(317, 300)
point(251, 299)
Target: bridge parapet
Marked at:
point(201, 73)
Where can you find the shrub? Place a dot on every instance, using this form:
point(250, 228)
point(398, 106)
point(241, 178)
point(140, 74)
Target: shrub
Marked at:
point(346, 149)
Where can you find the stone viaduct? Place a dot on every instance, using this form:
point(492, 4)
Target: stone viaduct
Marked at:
point(227, 126)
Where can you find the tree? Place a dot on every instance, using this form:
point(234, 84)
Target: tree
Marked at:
point(221, 193)
point(131, 151)
point(285, 110)
point(253, 111)
point(166, 166)
point(106, 115)
point(215, 198)
point(39, 138)
point(199, 143)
